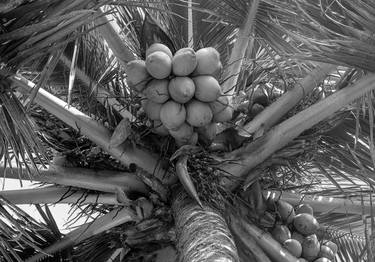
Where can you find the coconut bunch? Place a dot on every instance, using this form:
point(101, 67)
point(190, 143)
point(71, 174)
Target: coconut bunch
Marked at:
point(297, 230)
point(182, 95)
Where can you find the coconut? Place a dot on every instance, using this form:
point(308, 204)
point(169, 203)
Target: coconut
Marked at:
point(208, 132)
point(223, 116)
point(280, 233)
point(207, 88)
point(325, 251)
point(157, 90)
point(305, 224)
point(172, 114)
point(331, 245)
point(302, 260)
point(208, 62)
point(256, 109)
point(219, 104)
point(159, 128)
point(158, 47)
point(152, 110)
point(137, 75)
point(159, 65)
point(310, 248)
point(181, 89)
point(285, 210)
point(184, 62)
point(297, 236)
point(293, 246)
point(183, 133)
point(198, 113)
point(304, 208)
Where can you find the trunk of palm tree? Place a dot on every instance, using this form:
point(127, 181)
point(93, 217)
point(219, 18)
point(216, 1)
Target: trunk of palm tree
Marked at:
point(202, 234)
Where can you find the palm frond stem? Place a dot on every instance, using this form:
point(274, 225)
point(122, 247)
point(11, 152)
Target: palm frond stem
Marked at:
point(92, 129)
point(57, 195)
point(110, 220)
point(239, 49)
point(251, 155)
point(99, 180)
point(273, 113)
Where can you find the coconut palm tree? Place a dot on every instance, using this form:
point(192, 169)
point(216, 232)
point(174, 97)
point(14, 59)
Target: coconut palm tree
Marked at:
point(300, 82)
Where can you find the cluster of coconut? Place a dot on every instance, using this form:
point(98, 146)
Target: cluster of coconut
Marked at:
point(297, 233)
point(182, 95)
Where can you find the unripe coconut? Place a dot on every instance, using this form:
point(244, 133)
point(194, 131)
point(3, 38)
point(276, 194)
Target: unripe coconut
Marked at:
point(256, 109)
point(192, 141)
point(285, 210)
point(181, 89)
point(280, 233)
point(207, 88)
point(305, 224)
point(184, 62)
point(159, 128)
point(293, 246)
point(157, 90)
point(208, 61)
point(137, 74)
point(208, 132)
point(323, 259)
point(182, 133)
point(152, 110)
point(304, 208)
point(158, 47)
point(219, 104)
point(310, 248)
point(325, 251)
point(172, 114)
point(198, 113)
point(297, 236)
point(159, 65)
point(331, 245)
point(223, 116)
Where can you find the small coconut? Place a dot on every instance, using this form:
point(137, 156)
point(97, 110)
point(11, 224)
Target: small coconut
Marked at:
point(327, 252)
point(208, 61)
point(207, 88)
point(157, 90)
point(182, 133)
point(331, 245)
point(181, 89)
point(256, 109)
point(219, 104)
point(223, 116)
point(198, 113)
point(305, 224)
point(285, 210)
point(159, 65)
point(297, 236)
point(281, 233)
point(158, 47)
point(159, 128)
point(304, 208)
point(184, 62)
point(152, 110)
point(172, 114)
point(208, 132)
point(137, 74)
point(293, 246)
point(259, 97)
point(310, 248)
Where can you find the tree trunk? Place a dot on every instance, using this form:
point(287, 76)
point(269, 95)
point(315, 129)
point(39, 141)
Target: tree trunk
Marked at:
point(202, 234)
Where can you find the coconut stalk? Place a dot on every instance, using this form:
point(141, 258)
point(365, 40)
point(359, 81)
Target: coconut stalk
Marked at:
point(110, 220)
point(323, 203)
point(251, 155)
point(92, 129)
point(110, 31)
point(99, 180)
point(57, 195)
point(103, 96)
point(202, 233)
point(265, 240)
point(239, 49)
point(274, 112)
